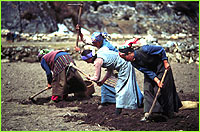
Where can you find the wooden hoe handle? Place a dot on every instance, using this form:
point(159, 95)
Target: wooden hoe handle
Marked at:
point(155, 99)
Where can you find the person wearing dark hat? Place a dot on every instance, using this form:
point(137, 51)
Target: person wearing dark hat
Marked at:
point(128, 95)
point(152, 61)
point(64, 79)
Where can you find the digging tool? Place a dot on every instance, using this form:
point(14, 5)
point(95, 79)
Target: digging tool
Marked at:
point(155, 99)
point(72, 65)
point(79, 16)
point(75, 67)
point(32, 97)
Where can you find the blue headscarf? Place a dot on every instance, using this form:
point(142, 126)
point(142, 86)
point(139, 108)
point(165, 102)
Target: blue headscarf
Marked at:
point(99, 36)
point(88, 56)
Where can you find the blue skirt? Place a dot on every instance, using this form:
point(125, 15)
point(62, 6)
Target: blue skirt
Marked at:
point(107, 94)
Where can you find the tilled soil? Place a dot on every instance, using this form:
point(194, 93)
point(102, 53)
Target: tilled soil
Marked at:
point(20, 80)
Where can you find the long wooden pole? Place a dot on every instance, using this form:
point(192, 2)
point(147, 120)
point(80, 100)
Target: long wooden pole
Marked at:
point(72, 65)
point(31, 97)
point(155, 99)
point(79, 19)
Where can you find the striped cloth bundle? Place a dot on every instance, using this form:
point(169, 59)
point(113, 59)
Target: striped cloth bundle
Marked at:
point(111, 81)
point(61, 63)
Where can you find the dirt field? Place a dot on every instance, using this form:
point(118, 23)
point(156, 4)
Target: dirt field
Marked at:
point(20, 80)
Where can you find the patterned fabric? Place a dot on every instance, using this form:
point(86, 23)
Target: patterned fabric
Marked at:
point(111, 81)
point(61, 63)
point(50, 58)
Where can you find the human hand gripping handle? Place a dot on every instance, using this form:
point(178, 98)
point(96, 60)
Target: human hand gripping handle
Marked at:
point(88, 77)
point(91, 79)
point(108, 74)
point(77, 49)
point(78, 28)
point(155, 99)
point(166, 65)
point(100, 83)
point(160, 83)
point(49, 86)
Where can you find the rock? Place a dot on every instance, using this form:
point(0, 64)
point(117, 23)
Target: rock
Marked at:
point(28, 17)
point(185, 59)
point(169, 44)
point(44, 17)
point(178, 57)
point(197, 59)
point(30, 59)
point(181, 35)
point(18, 57)
point(5, 61)
point(174, 37)
point(190, 60)
point(171, 57)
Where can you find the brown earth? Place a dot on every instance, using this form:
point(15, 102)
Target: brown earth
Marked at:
point(20, 80)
